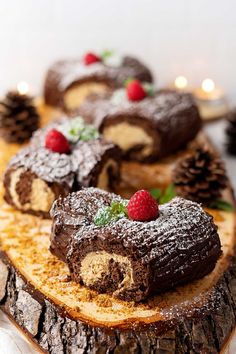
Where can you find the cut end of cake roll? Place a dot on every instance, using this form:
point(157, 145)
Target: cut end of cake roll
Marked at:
point(35, 178)
point(134, 136)
point(98, 164)
point(69, 82)
point(75, 95)
point(128, 259)
point(145, 130)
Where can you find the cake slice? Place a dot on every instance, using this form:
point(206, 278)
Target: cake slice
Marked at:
point(132, 259)
point(147, 127)
point(39, 174)
point(69, 82)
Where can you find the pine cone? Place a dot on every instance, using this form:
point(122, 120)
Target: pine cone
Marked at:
point(231, 133)
point(18, 118)
point(200, 176)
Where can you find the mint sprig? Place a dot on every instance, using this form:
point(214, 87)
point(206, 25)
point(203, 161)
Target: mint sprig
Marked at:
point(128, 80)
point(163, 196)
point(107, 53)
point(76, 129)
point(149, 88)
point(107, 214)
point(221, 205)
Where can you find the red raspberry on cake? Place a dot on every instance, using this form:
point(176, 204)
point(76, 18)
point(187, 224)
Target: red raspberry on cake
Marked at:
point(91, 58)
point(56, 141)
point(142, 206)
point(135, 91)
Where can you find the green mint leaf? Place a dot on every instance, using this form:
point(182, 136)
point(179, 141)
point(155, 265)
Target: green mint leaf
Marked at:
point(156, 193)
point(168, 194)
point(73, 132)
point(76, 129)
point(128, 81)
point(103, 216)
point(149, 88)
point(107, 54)
point(163, 196)
point(222, 205)
point(115, 211)
point(88, 133)
point(119, 209)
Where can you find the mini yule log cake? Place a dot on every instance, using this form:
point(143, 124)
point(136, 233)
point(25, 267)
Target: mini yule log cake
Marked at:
point(36, 176)
point(69, 82)
point(109, 252)
point(145, 124)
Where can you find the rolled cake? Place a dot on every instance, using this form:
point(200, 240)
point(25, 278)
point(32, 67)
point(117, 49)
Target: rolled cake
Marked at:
point(36, 176)
point(131, 259)
point(146, 129)
point(69, 82)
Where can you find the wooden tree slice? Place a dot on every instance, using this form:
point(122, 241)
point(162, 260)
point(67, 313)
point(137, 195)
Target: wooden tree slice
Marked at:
point(60, 316)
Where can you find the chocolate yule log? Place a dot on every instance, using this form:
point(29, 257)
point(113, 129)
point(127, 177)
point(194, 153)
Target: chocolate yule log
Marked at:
point(69, 82)
point(129, 259)
point(36, 176)
point(146, 127)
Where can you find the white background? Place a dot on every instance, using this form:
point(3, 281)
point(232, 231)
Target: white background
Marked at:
point(194, 38)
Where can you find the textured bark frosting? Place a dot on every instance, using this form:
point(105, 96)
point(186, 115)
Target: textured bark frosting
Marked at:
point(48, 165)
point(89, 157)
point(167, 121)
point(66, 73)
point(133, 260)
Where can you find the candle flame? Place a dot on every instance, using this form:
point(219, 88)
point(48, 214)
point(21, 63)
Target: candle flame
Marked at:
point(208, 85)
point(23, 88)
point(181, 82)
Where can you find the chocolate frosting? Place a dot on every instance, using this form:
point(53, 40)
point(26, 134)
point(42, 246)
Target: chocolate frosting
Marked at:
point(65, 73)
point(88, 157)
point(181, 245)
point(47, 165)
point(170, 118)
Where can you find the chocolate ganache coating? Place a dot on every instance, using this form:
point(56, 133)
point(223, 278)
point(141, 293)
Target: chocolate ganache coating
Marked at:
point(65, 74)
point(129, 259)
point(148, 129)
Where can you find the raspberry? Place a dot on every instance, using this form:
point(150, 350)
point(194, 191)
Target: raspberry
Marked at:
point(142, 206)
point(135, 91)
point(91, 58)
point(56, 141)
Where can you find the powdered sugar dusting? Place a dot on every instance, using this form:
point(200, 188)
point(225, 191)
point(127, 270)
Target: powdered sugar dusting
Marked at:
point(181, 225)
point(48, 165)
